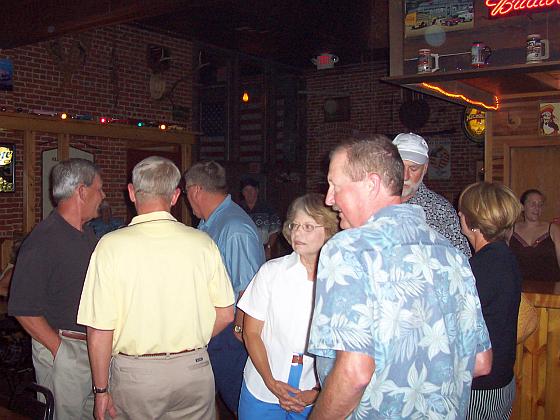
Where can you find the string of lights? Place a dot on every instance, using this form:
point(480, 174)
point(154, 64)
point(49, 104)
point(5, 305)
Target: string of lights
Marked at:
point(454, 95)
point(100, 119)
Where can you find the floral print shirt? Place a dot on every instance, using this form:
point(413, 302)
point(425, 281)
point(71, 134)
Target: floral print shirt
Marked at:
point(399, 292)
point(441, 216)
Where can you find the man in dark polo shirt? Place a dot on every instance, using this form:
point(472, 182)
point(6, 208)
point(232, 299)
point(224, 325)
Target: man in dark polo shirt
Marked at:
point(47, 285)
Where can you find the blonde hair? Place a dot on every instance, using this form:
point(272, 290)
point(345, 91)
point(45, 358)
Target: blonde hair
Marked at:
point(312, 204)
point(493, 208)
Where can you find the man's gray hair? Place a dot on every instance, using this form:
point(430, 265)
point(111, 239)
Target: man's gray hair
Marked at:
point(211, 176)
point(374, 154)
point(69, 174)
point(155, 176)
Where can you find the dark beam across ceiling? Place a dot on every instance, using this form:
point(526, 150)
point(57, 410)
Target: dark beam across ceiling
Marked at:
point(27, 22)
point(290, 32)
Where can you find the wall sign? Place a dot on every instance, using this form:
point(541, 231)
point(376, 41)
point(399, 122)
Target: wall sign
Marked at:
point(440, 160)
point(7, 167)
point(502, 8)
point(549, 119)
point(474, 124)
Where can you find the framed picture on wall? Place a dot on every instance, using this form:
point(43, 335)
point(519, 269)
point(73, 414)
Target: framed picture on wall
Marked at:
point(425, 17)
point(549, 119)
point(7, 167)
point(337, 109)
point(6, 74)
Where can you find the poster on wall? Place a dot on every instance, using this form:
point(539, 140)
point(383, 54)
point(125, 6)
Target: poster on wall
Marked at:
point(425, 16)
point(49, 160)
point(549, 119)
point(7, 168)
point(6, 74)
point(440, 160)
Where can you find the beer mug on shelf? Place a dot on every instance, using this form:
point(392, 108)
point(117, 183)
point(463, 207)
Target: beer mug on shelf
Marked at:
point(480, 53)
point(537, 49)
point(427, 61)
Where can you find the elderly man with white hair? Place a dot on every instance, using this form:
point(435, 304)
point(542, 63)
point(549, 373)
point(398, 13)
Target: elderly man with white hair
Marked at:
point(440, 214)
point(155, 293)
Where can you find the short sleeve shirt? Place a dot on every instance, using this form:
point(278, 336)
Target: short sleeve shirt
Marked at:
point(238, 241)
point(441, 216)
point(397, 291)
point(282, 296)
point(50, 272)
point(156, 284)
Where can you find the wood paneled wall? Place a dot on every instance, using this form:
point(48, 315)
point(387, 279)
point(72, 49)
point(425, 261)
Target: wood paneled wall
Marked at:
point(537, 369)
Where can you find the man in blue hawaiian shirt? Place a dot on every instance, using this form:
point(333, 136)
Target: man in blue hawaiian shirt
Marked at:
point(397, 327)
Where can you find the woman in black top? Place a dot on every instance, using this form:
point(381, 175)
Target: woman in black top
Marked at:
point(487, 213)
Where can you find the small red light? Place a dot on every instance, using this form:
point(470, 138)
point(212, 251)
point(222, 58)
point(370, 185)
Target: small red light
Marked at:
point(103, 120)
point(324, 59)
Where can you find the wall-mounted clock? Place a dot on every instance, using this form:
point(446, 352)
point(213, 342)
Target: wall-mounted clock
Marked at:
point(474, 124)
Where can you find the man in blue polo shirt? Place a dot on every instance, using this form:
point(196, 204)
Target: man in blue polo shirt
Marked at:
point(239, 243)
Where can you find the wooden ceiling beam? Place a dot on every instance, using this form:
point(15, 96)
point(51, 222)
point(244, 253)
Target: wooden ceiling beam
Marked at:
point(41, 20)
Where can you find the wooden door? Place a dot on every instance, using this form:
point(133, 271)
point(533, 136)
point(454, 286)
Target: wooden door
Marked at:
point(536, 167)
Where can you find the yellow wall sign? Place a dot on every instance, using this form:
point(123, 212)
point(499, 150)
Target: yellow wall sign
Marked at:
point(5, 156)
point(474, 124)
point(7, 168)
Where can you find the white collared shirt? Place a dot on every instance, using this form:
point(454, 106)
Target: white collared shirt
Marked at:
point(280, 295)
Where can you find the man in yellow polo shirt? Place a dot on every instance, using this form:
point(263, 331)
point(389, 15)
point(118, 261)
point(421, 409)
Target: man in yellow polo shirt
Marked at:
point(155, 293)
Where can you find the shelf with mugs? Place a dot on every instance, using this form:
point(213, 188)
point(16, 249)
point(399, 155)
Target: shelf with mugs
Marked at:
point(487, 86)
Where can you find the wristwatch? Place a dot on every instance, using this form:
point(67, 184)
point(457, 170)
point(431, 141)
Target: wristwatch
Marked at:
point(237, 329)
point(97, 390)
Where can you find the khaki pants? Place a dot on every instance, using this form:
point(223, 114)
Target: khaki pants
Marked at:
point(170, 387)
point(68, 377)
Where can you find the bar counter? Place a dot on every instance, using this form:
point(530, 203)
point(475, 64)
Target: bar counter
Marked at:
point(537, 368)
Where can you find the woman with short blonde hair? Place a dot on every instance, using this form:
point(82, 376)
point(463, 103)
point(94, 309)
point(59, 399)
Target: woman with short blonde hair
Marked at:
point(488, 212)
point(491, 208)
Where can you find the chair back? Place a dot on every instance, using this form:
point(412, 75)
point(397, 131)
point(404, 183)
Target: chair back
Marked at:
point(26, 402)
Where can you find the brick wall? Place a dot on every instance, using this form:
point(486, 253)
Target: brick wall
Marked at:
point(117, 84)
point(375, 109)
point(113, 80)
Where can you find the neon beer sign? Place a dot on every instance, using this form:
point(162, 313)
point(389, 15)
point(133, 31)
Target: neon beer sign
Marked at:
point(500, 8)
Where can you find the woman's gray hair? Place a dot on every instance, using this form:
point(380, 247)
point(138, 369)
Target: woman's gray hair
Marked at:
point(211, 176)
point(67, 175)
point(155, 176)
